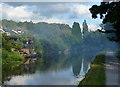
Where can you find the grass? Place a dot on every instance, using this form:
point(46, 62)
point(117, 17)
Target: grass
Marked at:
point(96, 75)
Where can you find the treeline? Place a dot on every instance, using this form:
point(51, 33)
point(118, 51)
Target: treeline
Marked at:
point(55, 38)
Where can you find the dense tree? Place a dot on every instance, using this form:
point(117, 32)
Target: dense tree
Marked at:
point(109, 12)
point(85, 27)
point(76, 30)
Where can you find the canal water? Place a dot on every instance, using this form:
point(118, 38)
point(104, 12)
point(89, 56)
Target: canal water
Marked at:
point(58, 70)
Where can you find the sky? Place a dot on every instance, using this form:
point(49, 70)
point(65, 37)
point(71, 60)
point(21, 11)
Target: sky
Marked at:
point(51, 12)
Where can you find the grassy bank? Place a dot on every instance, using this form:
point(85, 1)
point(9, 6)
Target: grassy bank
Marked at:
point(96, 75)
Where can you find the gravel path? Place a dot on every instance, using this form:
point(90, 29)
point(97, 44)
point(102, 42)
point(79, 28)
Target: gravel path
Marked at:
point(112, 69)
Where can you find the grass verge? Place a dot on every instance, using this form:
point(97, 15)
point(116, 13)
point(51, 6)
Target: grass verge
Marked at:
point(96, 75)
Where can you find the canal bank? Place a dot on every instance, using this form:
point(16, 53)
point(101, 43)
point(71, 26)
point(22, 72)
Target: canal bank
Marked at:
point(96, 74)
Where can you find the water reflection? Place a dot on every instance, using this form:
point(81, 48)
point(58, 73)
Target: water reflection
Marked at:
point(60, 70)
point(29, 68)
point(76, 65)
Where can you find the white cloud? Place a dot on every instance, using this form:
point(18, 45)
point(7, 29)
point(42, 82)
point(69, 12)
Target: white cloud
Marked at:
point(80, 9)
point(21, 13)
point(52, 0)
point(47, 12)
point(52, 9)
point(64, 8)
point(54, 20)
point(15, 13)
point(93, 27)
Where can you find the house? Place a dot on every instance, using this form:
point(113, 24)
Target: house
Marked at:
point(2, 31)
point(27, 44)
point(19, 30)
point(27, 49)
point(9, 31)
point(12, 38)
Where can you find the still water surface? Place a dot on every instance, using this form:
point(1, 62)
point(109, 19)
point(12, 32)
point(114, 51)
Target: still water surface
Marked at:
point(63, 70)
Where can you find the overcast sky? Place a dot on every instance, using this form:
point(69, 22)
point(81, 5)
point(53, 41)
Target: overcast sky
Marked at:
point(52, 12)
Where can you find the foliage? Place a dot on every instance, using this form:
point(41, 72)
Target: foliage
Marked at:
point(76, 30)
point(52, 38)
point(8, 24)
point(59, 35)
point(9, 44)
point(85, 27)
point(109, 12)
point(10, 59)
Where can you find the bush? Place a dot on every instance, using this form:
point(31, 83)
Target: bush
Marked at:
point(15, 57)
